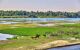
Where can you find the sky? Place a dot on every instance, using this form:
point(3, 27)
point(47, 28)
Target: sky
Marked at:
point(41, 5)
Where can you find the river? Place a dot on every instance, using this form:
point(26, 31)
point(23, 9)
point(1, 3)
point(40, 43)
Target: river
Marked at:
point(5, 36)
point(39, 19)
point(75, 47)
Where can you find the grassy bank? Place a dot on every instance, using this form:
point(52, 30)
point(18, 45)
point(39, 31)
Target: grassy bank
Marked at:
point(24, 33)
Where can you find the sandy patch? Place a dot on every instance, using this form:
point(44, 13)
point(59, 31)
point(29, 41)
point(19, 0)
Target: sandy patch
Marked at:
point(53, 44)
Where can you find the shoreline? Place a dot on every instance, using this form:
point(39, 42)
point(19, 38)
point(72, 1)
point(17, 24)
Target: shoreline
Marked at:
point(49, 45)
point(65, 45)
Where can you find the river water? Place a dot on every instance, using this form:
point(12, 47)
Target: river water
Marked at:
point(75, 47)
point(40, 19)
point(9, 20)
point(5, 36)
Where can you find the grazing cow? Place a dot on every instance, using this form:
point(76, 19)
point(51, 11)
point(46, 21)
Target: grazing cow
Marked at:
point(36, 37)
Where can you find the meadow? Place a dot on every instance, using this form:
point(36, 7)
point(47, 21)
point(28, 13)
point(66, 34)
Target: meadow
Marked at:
point(24, 32)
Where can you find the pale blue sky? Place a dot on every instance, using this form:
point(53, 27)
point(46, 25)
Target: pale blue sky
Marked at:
point(41, 5)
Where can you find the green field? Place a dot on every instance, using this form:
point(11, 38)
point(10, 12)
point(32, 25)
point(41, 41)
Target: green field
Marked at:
point(29, 31)
point(24, 33)
point(32, 31)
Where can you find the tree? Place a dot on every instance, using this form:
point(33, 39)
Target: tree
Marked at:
point(32, 14)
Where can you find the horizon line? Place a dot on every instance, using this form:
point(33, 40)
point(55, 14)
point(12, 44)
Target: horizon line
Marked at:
point(36, 10)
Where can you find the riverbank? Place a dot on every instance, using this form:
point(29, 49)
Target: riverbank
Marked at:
point(56, 44)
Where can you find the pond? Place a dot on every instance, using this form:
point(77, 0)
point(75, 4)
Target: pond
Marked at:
point(5, 36)
point(75, 47)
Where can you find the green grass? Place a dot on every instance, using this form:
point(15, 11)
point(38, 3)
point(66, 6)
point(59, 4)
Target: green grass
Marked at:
point(71, 25)
point(31, 31)
point(24, 31)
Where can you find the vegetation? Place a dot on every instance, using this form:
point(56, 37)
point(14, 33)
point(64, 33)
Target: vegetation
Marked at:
point(48, 14)
point(29, 31)
point(68, 30)
point(29, 37)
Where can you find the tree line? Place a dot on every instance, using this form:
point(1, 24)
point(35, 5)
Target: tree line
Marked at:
point(32, 14)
